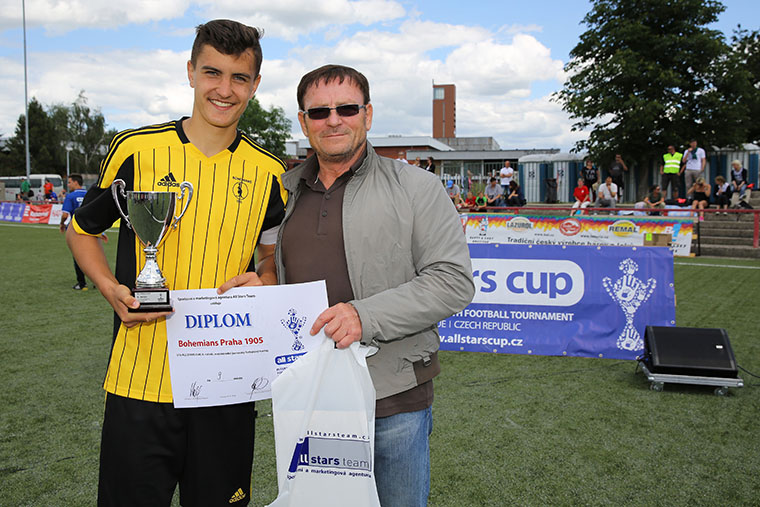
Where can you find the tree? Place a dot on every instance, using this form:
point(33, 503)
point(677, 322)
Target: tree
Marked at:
point(45, 152)
point(84, 131)
point(746, 46)
point(270, 129)
point(649, 73)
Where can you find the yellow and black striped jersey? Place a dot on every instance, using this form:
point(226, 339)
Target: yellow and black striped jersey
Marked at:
point(237, 195)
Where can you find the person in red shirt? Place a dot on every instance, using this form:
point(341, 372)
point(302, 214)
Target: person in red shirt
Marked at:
point(48, 189)
point(582, 199)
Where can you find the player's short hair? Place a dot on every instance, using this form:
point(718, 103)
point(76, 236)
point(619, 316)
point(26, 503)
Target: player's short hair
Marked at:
point(329, 73)
point(229, 38)
point(77, 178)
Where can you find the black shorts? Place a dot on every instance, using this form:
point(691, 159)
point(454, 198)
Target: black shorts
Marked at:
point(147, 448)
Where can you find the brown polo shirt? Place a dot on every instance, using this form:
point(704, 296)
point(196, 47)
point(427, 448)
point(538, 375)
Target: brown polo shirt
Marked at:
point(312, 249)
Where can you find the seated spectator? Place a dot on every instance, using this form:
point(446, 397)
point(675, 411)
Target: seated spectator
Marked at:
point(701, 192)
point(606, 194)
point(453, 190)
point(722, 193)
point(515, 197)
point(582, 197)
point(739, 190)
point(654, 199)
point(494, 194)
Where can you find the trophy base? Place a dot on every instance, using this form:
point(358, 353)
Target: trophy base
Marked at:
point(151, 300)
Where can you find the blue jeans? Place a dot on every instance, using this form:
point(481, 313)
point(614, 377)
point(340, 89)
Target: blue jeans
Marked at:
point(402, 458)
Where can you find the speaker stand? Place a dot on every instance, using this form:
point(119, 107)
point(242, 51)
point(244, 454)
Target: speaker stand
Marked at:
point(658, 381)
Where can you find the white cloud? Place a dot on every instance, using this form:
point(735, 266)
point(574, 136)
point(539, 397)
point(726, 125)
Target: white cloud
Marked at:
point(60, 16)
point(495, 81)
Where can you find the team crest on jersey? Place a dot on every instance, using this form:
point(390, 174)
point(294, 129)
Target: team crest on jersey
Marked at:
point(168, 181)
point(240, 189)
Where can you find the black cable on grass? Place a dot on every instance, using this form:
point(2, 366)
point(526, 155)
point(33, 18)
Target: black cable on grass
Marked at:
point(747, 371)
point(565, 372)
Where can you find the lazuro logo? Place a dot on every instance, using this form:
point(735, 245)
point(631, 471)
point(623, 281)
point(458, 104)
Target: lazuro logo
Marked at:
point(542, 282)
point(623, 228)
point(519, 224)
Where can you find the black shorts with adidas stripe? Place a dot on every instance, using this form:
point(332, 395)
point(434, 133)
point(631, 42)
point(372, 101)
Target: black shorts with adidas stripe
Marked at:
point(147, 448)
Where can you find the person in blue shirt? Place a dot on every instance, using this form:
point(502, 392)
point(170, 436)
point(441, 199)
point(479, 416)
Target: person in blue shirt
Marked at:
point(73, 200)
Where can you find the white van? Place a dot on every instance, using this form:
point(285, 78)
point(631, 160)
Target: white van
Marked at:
point(36, 184)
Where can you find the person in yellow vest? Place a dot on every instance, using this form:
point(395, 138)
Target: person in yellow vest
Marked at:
point(670, 172)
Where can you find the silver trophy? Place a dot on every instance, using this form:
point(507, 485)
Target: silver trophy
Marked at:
point(151, 215)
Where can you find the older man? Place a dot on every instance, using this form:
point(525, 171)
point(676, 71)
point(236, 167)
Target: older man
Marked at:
point(389, 243)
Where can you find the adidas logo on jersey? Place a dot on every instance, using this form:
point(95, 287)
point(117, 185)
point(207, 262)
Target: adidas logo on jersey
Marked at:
point(168, 181)
point(239, 495)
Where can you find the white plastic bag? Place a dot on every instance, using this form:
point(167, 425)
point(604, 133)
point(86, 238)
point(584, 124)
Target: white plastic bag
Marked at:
point(324, 429)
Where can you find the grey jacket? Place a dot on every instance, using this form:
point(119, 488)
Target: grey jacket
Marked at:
point(408, 262)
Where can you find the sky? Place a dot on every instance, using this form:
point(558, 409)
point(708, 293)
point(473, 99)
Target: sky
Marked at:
point(505, 57)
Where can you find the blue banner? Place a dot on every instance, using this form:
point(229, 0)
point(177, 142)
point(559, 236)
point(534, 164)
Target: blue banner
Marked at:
point(12, 211)
point(563, 300)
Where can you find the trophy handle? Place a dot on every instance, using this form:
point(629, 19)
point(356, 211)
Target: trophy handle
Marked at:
point(117, 187)
point(185, 185)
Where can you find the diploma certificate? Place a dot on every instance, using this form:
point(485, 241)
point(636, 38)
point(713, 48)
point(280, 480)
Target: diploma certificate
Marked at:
point(229, 348)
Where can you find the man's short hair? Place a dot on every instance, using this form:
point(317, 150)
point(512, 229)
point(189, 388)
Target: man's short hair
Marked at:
point(492, 180)
point(229, 38)
point(77, 178)
point(329, 73)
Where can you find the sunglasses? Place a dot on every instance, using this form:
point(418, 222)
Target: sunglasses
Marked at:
point(321, 113)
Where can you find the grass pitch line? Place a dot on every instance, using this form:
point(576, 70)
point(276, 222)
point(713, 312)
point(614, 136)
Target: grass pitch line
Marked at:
point(715, 265)
point(52, 227)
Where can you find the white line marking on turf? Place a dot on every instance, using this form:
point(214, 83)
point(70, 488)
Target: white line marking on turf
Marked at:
point(45, 226)
point(715, 265)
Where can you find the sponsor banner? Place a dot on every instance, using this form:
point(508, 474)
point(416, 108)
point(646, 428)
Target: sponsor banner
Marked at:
point(37, 213)
point(563, 300)
point(12, 211)
point(55, 215)
point(577, 230)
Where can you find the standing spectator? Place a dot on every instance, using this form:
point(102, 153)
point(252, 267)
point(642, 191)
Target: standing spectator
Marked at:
point(739, 190)
point(402, 157)
point(25, 188)
point(722, 193)
point(417, 163)
point(582, 199)
point(670, 172)
point(494, 194)
point(515, 196)
point(48, 187)
point(606, 194)
point(73, 200)
point(430, 166)
point(506, 174)
point(694, 161)
point(701, 192)
point(590, 176)
point(616, 171)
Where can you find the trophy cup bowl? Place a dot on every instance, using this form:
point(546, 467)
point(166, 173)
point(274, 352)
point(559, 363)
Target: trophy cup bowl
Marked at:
point(151, 216)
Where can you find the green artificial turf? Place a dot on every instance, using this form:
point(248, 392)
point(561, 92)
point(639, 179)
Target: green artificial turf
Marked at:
point(508, 429)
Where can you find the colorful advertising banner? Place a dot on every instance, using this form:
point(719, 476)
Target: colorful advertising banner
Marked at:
point(12, 211)
point(37, 213)
point(563, 300)
point(611, 230)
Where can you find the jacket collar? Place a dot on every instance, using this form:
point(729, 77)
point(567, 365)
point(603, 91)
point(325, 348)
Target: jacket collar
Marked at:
point(291, 178)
